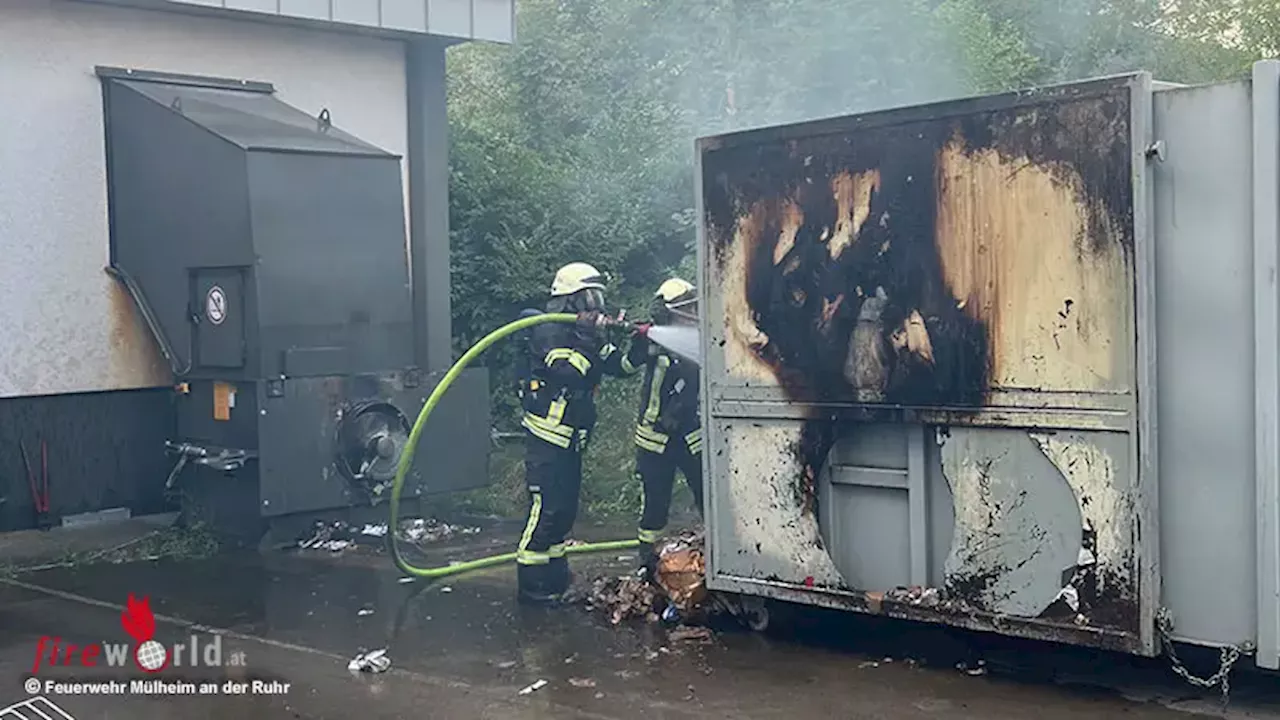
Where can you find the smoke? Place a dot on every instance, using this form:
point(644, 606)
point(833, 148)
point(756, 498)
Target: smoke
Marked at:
point(675, 70)
point(600, 102)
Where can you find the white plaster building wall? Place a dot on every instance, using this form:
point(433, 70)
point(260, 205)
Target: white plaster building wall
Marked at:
point(65, 325)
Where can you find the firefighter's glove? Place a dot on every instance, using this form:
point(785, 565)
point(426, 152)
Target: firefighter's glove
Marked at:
point(641, 330)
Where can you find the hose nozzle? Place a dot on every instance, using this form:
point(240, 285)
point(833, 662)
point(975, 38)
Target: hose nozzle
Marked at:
point(597, 319)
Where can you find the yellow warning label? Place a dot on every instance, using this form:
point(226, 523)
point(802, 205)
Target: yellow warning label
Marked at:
point(224, 398)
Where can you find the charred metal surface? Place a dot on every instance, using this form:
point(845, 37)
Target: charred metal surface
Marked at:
point(773, 533)
point(1017, 524)
point(876, 262)
point(956, 614)
point(1105, 579)
point(969, 263)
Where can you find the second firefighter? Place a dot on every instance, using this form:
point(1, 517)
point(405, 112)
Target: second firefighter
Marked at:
point(668, 427)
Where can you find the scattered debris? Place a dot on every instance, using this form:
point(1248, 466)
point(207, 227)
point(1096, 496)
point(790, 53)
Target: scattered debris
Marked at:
point(533, 688)
point(582, 682)
point(623, 597)
point(1071, 597)
point(505, 664)
point(327, 536)
point(978, 669)
point(446, 589)
point(337, 536)
point(675, 593)
point(423, 531)
point(686, 633)
point(599, 695)
point(916, 595)
point(406, 580)
point(362, 612)
point(868, 664)
point(681, 571)
point(375, 661)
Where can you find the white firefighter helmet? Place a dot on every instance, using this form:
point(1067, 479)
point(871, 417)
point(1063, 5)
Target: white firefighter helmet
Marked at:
point(575, 277)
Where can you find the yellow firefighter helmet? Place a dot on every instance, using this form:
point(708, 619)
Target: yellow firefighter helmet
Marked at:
point(676, 292)
point(575, 277)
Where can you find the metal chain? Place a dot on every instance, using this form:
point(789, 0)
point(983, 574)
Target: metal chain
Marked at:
point(1228, 655)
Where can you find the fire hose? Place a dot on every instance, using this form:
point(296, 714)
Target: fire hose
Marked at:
point(415, 434)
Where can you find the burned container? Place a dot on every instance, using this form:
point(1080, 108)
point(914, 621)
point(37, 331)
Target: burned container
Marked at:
point(266, 249)
point(930, 385)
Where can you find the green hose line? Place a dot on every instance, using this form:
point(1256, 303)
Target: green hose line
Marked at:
point(406, 461)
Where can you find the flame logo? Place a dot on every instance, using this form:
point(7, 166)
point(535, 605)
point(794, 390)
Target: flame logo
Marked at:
point(138, 620)
point(140, 623)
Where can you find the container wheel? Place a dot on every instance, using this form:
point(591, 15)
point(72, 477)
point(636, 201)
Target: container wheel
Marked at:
point(756, 615)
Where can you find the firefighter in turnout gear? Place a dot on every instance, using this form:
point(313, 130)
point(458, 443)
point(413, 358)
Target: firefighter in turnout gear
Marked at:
point(668, 429)
point(566, 364)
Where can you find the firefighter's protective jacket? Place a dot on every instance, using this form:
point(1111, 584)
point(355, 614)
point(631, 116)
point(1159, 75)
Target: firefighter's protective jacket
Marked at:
point(668, 403)
point(568, 363)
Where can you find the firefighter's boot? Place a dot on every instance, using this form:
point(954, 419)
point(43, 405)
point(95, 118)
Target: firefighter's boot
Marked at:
point(543, 584)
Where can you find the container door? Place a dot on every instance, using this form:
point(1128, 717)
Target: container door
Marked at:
point(967, 284)
point(218, 313)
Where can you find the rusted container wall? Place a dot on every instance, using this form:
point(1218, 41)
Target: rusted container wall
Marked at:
point(927, 340)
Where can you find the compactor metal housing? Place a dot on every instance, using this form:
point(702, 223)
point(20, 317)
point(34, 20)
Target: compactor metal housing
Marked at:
point(267, 250)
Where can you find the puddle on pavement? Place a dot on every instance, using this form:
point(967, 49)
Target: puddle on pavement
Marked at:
point(476, 633)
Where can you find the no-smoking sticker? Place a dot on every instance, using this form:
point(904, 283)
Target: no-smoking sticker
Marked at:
point(215, 305)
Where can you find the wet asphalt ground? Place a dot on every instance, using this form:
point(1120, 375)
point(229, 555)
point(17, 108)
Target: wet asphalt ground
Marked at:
point(462, 648)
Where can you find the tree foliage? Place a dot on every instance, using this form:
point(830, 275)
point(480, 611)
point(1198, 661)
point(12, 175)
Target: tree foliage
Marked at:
point(576, 143)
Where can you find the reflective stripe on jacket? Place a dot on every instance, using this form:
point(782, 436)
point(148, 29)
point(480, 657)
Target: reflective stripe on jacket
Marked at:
point(668, 403)
point(568, 365)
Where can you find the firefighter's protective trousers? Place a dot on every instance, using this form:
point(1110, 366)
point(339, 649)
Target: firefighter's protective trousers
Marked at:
point(668, 438)
point(559, 414)
point(657, 474)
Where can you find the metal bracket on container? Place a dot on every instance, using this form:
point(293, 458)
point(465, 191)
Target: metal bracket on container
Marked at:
point(221, 459)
